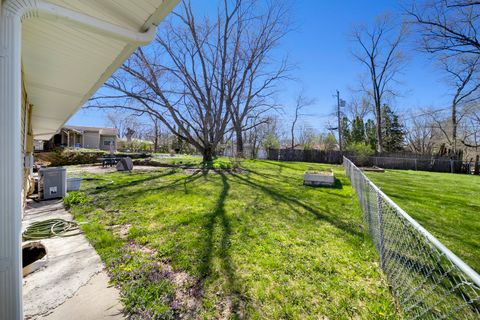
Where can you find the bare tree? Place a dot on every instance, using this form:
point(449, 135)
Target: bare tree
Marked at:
point(471, 130)
point(252, 73)
point(379, 51)
point(462, 75)
point(123, 122)
point(359, 107)
point(308, 137)
point(201, 76)
point(448, 26)
point(419, 134)
point(301, 102)
point(255, 136)
point(155, 132)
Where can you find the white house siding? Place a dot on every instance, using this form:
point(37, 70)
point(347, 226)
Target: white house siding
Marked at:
point(91, 140)
point(27, 144)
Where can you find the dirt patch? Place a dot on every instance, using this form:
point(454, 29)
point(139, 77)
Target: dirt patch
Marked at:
point(121, 230)
point(188, 293)
point(230, 307)
point(187, 301)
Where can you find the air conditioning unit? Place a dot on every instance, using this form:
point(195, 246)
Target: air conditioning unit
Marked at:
point(52, 183)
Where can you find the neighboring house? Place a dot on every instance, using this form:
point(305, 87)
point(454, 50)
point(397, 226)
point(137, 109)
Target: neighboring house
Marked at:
point(54, 55)
point(84, 137)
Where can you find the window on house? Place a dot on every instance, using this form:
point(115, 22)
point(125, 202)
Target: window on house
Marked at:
point(107, 142)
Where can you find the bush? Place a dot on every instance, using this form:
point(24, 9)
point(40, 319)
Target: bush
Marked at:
point(67, 156)
point(361, 151)
point(74, 198)
point(135, 145)
point(222, 164)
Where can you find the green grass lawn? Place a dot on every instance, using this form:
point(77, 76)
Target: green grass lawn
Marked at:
point(447, 205)
point(255, 244)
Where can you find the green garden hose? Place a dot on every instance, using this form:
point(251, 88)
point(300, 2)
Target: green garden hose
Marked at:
point(51, 228)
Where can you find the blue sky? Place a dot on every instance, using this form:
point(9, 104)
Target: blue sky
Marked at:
point(320, 47)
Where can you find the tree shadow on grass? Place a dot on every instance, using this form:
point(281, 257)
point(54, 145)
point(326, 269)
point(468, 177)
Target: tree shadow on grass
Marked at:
point(218, 220)
point(131, 183)
point(292, 202)
point(175, 183)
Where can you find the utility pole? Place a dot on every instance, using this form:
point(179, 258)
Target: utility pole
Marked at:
point(339, 122)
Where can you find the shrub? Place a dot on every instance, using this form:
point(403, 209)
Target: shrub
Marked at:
point(361, 152)
point(135, 145)
point(222, 164)
point(74, 198)
point(69, 157)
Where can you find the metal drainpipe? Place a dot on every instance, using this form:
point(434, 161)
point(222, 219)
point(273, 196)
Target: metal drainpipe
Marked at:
point(11, 16)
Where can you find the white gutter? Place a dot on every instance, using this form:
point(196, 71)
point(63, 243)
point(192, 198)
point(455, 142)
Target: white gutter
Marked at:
point(12, 13)
point(45, 10)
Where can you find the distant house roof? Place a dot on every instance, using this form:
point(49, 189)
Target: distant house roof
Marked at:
point(102, 131)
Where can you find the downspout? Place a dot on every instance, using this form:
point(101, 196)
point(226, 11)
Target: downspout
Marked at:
point(12, 13)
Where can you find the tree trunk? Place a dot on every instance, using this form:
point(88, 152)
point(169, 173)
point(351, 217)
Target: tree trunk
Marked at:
point(378, 132)
point(208, 153)
point(454, 127)
point(293, 136)
point(239, 136)
point(155, 142)
point(254, 148)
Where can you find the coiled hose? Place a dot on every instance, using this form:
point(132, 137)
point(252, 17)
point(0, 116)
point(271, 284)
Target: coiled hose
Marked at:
point(51, 228)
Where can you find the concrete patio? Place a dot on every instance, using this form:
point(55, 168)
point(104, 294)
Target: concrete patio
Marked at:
point(73, 284)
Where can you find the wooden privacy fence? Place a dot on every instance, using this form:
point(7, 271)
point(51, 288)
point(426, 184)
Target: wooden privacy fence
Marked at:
point(321, 156)
point(401, 161)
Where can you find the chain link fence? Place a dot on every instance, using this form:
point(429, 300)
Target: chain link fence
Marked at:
point(427, 279)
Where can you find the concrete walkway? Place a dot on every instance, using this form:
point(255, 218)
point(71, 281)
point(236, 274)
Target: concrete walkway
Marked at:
point(73, 284)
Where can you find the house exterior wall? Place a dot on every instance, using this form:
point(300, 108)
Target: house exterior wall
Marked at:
point(71, 139)
point(77, 141)
point(105, 142)
point(63, 138)
point(27, 146)
point(91, 140)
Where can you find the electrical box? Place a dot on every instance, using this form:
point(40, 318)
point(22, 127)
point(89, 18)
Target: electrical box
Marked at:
point(52, 183)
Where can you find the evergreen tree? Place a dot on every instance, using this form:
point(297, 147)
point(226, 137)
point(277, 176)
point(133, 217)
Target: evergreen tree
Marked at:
point(346, 134)
point(370, 133)
point(357, 134)
point(392, 131)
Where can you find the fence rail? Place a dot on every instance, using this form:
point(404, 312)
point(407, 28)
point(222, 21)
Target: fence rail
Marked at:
point(401, 161)
point(427, 279)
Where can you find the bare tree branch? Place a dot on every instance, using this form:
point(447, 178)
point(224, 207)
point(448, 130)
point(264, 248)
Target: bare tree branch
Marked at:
point(379, 51)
